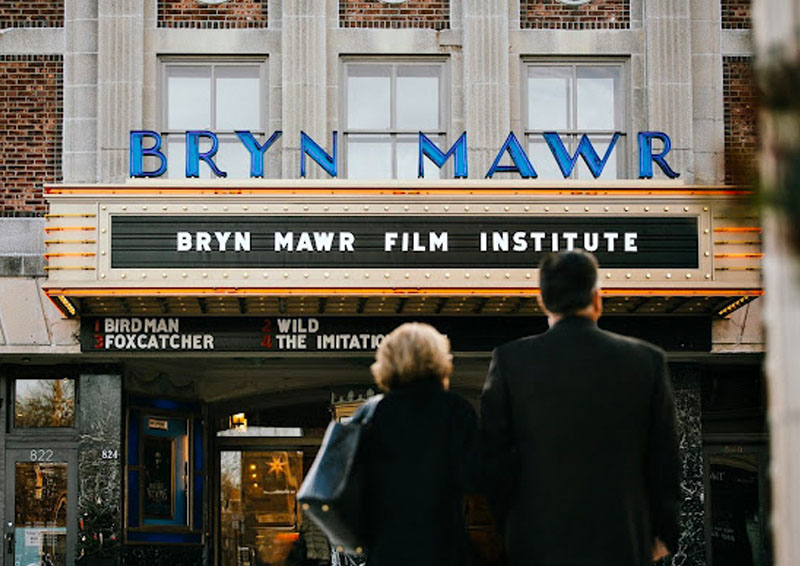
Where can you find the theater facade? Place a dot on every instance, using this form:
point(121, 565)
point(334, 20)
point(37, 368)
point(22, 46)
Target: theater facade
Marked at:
point(238, 200)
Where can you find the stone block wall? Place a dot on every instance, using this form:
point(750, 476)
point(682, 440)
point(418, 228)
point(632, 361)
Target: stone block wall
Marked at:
point(100, 454)
point(430, 14)
point(736, 14)
point(192, 14)
point(551, 14)
point(686, 381)
point(31, 14)
point(31, 125)
point(740, 105)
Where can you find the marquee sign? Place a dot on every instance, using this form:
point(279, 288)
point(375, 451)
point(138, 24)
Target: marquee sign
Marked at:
point(227, 241)
point(237, 248)
point(280, 334)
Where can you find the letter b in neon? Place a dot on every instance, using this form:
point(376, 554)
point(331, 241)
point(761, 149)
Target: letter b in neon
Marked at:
point(138, 151)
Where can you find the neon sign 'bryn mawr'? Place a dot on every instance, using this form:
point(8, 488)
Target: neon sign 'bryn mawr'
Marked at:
point(521, 164)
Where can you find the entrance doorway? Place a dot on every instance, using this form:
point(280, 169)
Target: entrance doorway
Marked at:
point(41, 498)
point(263, 450)
point(258, 516)
point(738, 505)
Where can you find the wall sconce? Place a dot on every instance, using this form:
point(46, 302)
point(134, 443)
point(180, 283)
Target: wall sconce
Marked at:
point(238, 421)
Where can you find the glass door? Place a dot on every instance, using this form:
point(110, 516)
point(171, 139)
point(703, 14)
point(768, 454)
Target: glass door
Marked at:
point(258, 516)
point(738, 499)
point(41, 499)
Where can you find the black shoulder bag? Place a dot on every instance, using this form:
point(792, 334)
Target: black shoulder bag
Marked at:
point(333, 492)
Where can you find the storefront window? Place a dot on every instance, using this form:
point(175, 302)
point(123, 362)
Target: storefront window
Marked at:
point(44, 403)
point(220, 97)
point(165, 471)
point(259, 521)
point(573, 99)
point(387, 105)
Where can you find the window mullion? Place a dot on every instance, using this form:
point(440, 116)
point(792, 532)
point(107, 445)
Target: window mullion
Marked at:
point(213, 97)
point(574, 118)
point(393, 119)
point(393, 142)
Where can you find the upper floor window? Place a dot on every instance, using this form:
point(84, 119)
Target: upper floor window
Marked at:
point(573, 99)
point(222, 97)
point(387, 104)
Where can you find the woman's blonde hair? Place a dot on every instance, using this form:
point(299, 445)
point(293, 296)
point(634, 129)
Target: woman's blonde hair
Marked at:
point(413, 351)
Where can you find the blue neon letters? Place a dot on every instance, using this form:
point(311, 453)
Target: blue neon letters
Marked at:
point(257, 151)
point(566, 162)
point(520, 163)
point(137, 153)
point(459, 151)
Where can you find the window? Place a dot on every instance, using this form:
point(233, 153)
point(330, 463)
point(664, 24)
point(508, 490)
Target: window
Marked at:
point(573, 99)
point(164, 467)
point(222, 97)
point(386, 106)
point(44, 403)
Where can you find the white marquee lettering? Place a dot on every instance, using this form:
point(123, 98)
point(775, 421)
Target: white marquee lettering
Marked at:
point(284, 242)
point(323, 241)
point(346, 240)
point(222, 240)
point(591, 241)
point(630, 242)
point(184, 241)
point(537, 240)
point(304, 243)
point(203, 242)
point(438, 242)
point(610, 237)
point(241, 241)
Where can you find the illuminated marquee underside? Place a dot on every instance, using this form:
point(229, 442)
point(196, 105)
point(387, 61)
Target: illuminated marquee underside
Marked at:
point(337, 247)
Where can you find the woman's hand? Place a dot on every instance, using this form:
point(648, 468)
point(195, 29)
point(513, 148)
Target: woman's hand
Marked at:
point(659, 550)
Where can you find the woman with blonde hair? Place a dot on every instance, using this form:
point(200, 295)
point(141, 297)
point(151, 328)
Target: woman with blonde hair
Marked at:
point(420, 453)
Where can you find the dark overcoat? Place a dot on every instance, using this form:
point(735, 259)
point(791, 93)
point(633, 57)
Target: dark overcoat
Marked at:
point(421, 454)
point(579, 429)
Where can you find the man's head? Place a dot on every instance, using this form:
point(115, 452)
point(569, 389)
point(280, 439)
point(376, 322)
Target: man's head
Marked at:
point(568, 281)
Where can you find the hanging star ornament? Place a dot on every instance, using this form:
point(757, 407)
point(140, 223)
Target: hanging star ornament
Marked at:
point(277, 465)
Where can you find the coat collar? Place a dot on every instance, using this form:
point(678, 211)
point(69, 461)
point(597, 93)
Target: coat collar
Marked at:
point(574, 321)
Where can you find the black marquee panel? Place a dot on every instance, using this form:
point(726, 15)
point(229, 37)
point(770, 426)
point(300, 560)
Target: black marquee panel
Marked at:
point(499, 242)
point(277, 334)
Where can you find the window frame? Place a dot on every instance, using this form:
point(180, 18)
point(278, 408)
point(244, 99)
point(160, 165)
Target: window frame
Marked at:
point(393, 133)
point(571, 135)
point(212, 62)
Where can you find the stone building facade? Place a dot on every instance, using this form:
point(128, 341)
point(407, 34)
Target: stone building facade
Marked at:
point(79, 75)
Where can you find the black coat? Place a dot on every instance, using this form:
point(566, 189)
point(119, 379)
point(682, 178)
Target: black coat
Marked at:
point(421, 459)
point(579, 431)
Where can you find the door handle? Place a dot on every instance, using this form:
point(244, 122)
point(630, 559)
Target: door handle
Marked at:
point(10, 542)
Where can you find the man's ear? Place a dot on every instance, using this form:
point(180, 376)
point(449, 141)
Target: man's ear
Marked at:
point(597, 301)
point(541, 305)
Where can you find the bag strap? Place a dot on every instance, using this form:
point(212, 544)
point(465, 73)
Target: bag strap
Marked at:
point(364, 415)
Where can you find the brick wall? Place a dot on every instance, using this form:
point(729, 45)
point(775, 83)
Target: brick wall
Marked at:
point(551, 14)
point(231, 14)
point(31, 14)
point(31, 118)
point(431, 14)
point(736, 14)
point(741, 134)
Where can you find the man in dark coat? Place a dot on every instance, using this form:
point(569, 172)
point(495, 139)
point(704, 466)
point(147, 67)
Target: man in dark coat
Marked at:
point(579, 433)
